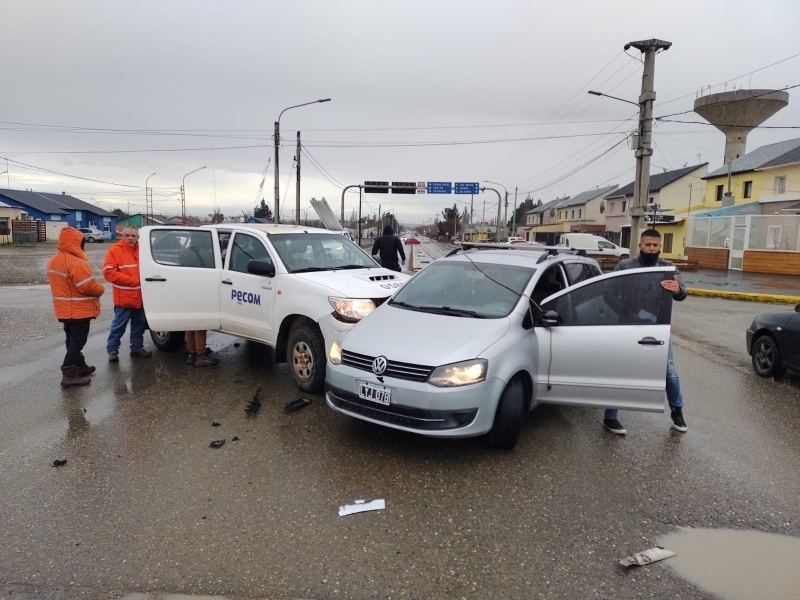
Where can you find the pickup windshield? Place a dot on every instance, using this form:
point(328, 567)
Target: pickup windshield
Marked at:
point(308, 252)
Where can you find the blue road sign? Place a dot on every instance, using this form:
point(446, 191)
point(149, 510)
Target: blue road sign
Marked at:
point(440, 187)
point(467, 188)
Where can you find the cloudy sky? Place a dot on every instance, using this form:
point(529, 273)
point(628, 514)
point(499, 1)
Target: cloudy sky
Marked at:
point(99, 94)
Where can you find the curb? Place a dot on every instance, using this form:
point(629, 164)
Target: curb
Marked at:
point(746, 296)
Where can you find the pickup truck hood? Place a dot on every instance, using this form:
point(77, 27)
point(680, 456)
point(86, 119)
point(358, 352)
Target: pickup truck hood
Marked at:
point(358, 283)
point(423, 338)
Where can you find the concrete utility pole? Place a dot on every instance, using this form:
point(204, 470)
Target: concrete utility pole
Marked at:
point(516, 190)
point(644, 147)
point(505, 214)
point(297, 199)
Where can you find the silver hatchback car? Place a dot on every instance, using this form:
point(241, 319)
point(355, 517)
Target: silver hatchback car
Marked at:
point(502, 330)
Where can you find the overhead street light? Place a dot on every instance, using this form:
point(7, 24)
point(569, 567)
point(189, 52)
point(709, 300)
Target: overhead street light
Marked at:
point(498, 206)
point(593, 93)
point(276, 218)
point(183, 194)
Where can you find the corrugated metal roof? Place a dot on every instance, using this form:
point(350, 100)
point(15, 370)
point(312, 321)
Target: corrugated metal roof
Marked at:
point(547, 205)
point(584, 197)
point(739, 209)
point(73, 203)
point(770, 155)
point(657, 181)
point(35, 201)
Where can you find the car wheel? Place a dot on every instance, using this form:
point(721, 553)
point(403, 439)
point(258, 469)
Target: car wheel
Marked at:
point(167, 341)
point(305, 354)
point(90, 240)
point(766, 357)
point(623, 256)
point(508, 418)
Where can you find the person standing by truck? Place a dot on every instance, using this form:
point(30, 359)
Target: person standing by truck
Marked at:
point(389, 246)
point(76, 301)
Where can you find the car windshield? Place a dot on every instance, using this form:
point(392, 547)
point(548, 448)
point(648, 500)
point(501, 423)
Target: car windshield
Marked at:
point(465, 289)
point(307, 252)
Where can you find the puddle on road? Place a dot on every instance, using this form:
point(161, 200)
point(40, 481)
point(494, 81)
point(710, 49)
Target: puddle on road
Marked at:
point(736, 564)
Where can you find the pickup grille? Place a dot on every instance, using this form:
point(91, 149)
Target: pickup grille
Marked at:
point(398, 370)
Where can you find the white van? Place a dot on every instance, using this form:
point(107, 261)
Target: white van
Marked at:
point(593, 244)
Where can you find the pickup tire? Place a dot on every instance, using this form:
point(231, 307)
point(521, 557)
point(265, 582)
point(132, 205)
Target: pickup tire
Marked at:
point(508, 418)
point(305, 353)
point(167, 341)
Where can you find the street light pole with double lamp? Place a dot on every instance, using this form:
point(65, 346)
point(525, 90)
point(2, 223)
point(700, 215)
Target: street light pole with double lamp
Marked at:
point(183, 194)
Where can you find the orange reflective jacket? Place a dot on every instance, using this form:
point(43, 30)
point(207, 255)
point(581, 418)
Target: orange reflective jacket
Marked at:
point(76, 293)
point(121, 268)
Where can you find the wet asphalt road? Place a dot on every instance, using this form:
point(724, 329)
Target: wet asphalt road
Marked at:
point(144, 505)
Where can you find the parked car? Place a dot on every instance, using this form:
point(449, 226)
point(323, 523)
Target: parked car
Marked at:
point(289, 287)
point(515, 327)
point(92, 235)
point(773, 342)
point(593, 244)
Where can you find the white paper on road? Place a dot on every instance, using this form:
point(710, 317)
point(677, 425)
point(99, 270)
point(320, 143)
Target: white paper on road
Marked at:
point(361, 506)
point(648, 556)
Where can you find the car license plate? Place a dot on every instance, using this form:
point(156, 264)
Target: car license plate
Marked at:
point(374, 393)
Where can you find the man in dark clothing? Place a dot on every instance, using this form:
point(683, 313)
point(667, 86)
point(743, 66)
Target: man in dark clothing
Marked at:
point(389, 246)
point(649, 251)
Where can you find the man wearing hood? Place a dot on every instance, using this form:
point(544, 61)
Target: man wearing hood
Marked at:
point(121, 269)
point(389, 246)
point(649, 256)
point(76, 301)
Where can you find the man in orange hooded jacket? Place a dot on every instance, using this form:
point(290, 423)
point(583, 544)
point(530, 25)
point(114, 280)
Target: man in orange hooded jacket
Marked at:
point(76, 300)
point(121, 269)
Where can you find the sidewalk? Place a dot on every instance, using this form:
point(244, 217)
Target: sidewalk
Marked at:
point(735, 285)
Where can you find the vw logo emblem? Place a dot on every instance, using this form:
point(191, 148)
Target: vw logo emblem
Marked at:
point(379, 365)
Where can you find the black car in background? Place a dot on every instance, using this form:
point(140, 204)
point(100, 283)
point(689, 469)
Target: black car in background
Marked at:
point(773, 342)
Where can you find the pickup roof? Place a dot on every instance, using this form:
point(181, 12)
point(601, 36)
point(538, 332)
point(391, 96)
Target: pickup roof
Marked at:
point(293, 288)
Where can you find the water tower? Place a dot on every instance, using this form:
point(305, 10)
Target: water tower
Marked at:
point(737, 113)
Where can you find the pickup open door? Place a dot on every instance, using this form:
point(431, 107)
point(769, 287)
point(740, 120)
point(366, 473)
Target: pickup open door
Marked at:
point(604, 342)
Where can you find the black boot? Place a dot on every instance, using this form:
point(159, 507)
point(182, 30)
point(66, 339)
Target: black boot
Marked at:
point(70, 377)
point(83, 368)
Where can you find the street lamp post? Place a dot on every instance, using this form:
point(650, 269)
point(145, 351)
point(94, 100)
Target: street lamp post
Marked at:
point(148, 200)
point(498, 206)
point(183, 194)
point(499, 201)
point(276, 218)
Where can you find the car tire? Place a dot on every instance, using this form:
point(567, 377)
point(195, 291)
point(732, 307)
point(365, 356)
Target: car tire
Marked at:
point(167, 341)
point(90, 240)
point(305, 353)
point(508, 418)
point(766, 357)
point(623, 256)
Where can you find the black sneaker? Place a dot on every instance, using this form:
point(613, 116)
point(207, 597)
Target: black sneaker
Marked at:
point(113, 356)
point(678, 422)
point(142, 353)
point(614, 426)
point(191, 358)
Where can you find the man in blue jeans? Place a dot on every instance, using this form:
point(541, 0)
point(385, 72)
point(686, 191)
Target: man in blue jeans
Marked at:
point(649, 251)
point(121, 269)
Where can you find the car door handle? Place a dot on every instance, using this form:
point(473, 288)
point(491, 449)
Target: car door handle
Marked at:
point(156, 278)
point(651, 341)
point(227, 282)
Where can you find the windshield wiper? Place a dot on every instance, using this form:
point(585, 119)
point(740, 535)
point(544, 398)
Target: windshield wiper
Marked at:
point(350, 267)
point(309, 270)
point(404, 305)
point(446, 310)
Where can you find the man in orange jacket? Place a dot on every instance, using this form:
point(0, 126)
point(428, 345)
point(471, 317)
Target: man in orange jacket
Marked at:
point(76, 300)
point(121, 269)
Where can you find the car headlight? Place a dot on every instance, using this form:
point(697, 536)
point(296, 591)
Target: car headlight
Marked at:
point(335, 354)
point(461, 373)
point(351, 309)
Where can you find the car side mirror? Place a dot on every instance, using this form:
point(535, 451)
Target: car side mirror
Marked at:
point(265, 268)
point(550, 318)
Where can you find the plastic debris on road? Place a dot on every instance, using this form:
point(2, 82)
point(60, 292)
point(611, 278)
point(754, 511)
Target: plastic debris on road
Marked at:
point(361, 506)
point(645, 558)
point(296, 405)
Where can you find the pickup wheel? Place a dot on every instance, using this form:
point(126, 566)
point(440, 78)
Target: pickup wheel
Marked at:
point(508, 418)
point(305, 354)
point(167, 341)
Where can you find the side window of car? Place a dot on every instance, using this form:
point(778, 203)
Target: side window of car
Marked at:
point(550, 282)
point(198, 250)
point(243, 249)
point(629, 299)
point(179, 247)
point(577, 272)
point(607, 245)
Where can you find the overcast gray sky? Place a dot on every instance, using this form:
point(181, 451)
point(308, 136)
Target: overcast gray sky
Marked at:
point(428, 90)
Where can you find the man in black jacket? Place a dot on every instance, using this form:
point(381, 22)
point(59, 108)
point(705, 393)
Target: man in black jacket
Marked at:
point(389, 246)
point(649, 256)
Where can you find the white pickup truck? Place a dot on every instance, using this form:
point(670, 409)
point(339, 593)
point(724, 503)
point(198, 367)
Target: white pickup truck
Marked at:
point(292, 288)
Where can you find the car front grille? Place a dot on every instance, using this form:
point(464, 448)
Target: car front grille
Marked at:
point(398, 370)
point(426, 420)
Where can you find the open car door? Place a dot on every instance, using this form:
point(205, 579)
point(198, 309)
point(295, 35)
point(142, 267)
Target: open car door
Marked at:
point(604, 342)
point(180, 270)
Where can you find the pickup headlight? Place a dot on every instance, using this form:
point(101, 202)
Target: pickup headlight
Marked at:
point(351, 310)
point(461, 373)
point(335, 354)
